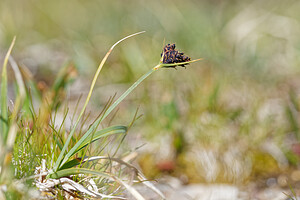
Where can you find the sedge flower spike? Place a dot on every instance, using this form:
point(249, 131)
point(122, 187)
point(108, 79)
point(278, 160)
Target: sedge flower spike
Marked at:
point(170, 55)
point(171, 58)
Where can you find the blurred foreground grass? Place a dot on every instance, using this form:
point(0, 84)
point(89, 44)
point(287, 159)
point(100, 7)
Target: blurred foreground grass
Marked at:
point(231, 118)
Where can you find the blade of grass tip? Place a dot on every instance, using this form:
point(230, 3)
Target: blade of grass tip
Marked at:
point(21, 86)
point(60, 157)
point(163, 53)
point(18, 103)
point(4, 109)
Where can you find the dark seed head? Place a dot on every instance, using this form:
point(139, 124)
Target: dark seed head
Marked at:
point(171, 55)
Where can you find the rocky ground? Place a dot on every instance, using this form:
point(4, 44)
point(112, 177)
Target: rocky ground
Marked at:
point(174, 190)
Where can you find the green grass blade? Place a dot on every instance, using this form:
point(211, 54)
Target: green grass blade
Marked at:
point(61, 155)
point(102, 133)
point(72, 163)
point(88, 139)
point(127, 92)
point(4, 108)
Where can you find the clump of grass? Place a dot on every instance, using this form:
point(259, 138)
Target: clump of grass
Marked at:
point(61, 166)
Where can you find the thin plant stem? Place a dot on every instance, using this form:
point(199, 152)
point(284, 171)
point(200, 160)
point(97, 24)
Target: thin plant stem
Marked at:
point(129, 90)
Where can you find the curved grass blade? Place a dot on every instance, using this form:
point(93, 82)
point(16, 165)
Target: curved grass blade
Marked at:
point(60, 160)
point(17, 105)
point(4, 109)
point(72, 163)
point(84, 141)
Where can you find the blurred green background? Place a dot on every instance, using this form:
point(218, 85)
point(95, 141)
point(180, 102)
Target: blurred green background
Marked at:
point(233, 117)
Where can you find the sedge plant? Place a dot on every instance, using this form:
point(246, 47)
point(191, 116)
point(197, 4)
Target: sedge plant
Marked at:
point(65, 156)
point(67, 164)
